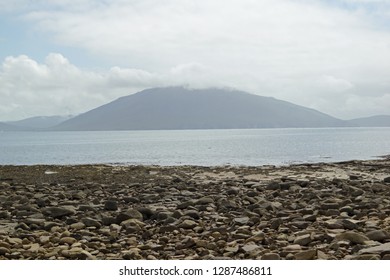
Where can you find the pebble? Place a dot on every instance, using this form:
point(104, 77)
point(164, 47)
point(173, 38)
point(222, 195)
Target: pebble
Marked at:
point(377, 235)
point(67, 240)
point(188, 224)
point(89, 222)
point(353, 237)
point(303, 240)
point(4, 251)
point(111, 205)
point(306, 255)
point(129, 214)
point(383, 248)
point(270, 256)
point(142, 212)
point(59, 212)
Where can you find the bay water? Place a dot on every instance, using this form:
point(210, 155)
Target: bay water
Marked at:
point(249, 147)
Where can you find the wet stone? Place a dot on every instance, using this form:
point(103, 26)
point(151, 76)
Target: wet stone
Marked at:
point(59, 212)
point(270, 256)
point(381, 249)
point(111, 205)
point(193, 214)
point(89, 222)
point(303, 240)
point(241, 221)
point(4, 251)
point(4, 215)
point(273, 186)
point(353, 237)
point(188, 224)
point(204, 200)
point(303, 211)
point(377, 235)
point(306, 255)
point(129, 214)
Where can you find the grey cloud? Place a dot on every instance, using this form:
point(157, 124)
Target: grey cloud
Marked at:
point(306, 52)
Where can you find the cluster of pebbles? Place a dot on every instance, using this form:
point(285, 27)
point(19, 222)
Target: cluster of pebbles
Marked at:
point(309, 211)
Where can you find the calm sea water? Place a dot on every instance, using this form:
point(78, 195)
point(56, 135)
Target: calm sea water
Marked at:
point(195, 147)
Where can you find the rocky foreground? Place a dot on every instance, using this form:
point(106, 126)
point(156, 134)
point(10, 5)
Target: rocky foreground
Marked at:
point(313, 211)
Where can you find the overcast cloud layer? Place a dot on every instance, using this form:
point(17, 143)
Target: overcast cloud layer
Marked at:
point(333, 56)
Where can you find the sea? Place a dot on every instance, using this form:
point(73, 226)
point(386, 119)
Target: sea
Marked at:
point(235, 147)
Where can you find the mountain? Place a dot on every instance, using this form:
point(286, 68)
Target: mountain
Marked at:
point(8, 127)
point(182, 108)
point(374, 121)
point(40, 122)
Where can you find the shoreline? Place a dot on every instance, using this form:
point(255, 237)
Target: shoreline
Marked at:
point(334, 210)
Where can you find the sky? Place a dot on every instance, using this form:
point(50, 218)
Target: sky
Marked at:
point(62, 57)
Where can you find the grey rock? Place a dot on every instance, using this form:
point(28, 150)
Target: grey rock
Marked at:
point(303, 240)
point(310, 218)
point(270, 256)
point(241, 221)
point(354, 177)
point(185, 205)
point(33, 221)
point(377, 235)
point(132, 225)
point(111, 205)
point(386, 180)
point(129, 214)
point(163, 215)
point(193, 214)
point(4, 215)
point(334, 224)
point(366, 257)
point(77, 226)
point(329, 205)
point(257, 237)
point(147, 213)
point(353, 237)
point(85, 208)
point(250, 247)
point(300, 224)
point(275, 223)
point(204, 200)
point(187, 224)
point(273, 186)
point(383, 248)
point(350, 224)
point(232, 248)
point(59, 212)
point(355, 191)
point(89, 222)
point(4, 251)
point(306, 255)
point(108, 220)
point(386, 257)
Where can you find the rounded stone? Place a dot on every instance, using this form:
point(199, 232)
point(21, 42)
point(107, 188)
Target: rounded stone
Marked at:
point(270, 256)
point(111, 205)
point(4, 251)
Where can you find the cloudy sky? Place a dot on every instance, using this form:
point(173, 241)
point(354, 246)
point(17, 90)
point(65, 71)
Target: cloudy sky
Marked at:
point(63, 57)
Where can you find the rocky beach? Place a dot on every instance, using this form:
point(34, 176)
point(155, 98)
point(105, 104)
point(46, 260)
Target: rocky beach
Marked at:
point(307, 211)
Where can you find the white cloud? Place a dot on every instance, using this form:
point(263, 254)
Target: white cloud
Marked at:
point(307, 52)
point(28, 88)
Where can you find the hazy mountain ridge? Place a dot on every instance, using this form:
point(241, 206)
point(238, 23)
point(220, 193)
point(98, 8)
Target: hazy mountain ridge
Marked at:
point(378, 121)
point(181, 108)
point(8, 127)
point(39, 122)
